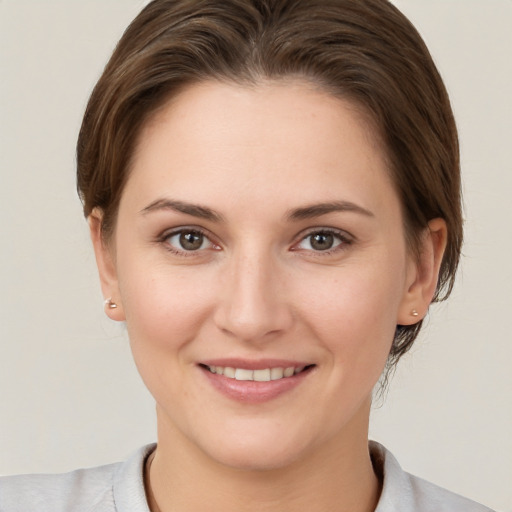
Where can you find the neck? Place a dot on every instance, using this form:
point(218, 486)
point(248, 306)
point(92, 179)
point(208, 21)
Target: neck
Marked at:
point(335, 476)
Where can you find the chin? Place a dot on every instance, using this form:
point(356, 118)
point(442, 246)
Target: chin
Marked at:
point(250, 444)
point(256, 456)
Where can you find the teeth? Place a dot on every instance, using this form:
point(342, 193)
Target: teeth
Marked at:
point(264, 375)
point(241, 374)
point(276, 373)
point(229, 372)
point(288, 372)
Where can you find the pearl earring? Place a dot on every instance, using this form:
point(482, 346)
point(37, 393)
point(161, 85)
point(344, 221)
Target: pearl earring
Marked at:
point(414, 313)
point(110, 303)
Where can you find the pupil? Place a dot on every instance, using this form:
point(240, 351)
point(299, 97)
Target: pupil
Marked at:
point(191, 241)
point(322, 241)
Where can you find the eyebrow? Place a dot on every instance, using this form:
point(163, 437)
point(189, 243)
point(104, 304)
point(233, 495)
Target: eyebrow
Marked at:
point(302, 213)
point(316, 210)
point(195, 210)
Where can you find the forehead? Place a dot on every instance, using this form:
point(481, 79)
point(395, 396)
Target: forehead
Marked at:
point(288, 139)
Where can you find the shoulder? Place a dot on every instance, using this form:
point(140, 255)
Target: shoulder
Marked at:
point(80, 490)
point(436, 498)
point(96, 489)
point(405, 492)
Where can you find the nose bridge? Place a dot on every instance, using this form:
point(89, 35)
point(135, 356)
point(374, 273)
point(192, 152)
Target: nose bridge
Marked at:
point(253, 303)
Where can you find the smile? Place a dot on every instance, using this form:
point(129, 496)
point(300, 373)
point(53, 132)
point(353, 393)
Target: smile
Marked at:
point(255, 382)
point(261, 375)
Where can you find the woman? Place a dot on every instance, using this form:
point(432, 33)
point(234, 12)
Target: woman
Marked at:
point(273, 195)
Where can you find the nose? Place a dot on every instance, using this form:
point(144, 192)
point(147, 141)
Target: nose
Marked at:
point(252, 306)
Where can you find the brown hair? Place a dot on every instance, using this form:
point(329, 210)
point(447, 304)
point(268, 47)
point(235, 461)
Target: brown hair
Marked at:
point(362, 50)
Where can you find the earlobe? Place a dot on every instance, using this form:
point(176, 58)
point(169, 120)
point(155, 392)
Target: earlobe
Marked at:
point(106, 267)
point(423, 274)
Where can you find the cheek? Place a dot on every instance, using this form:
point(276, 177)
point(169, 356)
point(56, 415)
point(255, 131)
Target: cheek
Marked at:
point(164, 313)
point(163, 306)
point(354, 313)
point(352, 300)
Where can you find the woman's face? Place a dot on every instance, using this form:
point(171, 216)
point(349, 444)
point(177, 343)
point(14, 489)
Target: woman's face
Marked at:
point(259, 231)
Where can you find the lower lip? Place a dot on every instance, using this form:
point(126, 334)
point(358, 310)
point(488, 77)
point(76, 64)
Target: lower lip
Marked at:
point(252, 392)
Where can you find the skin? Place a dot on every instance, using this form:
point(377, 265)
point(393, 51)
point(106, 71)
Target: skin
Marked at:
point(258, 288)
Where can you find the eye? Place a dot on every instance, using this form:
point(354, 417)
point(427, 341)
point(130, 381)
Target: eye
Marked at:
point(188, 240)
point(322, 241)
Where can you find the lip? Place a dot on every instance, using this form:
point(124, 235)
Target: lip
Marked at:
point(251, 364)
point(252, 392)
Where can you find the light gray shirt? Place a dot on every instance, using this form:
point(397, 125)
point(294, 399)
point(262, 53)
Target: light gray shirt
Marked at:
point(120, 488)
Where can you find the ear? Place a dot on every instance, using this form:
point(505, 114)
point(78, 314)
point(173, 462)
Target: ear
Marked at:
point(423, 274)
point(105, 260)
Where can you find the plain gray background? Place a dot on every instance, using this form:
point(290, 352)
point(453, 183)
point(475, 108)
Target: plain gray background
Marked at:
point(70, 394)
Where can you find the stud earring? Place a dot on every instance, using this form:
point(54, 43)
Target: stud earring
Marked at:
point(414, 313)
point(110, 303)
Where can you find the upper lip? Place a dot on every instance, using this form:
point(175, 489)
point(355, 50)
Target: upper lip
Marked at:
point(251, 364)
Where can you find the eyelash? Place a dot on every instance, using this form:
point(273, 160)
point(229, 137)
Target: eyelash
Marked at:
point(343, 238)
point(344, 241)
point(164, 239)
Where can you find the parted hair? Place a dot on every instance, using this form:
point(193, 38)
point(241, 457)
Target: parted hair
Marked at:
point(364, 51)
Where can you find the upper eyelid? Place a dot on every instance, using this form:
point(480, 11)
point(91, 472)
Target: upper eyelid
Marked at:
point(335, 231)
point(166, 233)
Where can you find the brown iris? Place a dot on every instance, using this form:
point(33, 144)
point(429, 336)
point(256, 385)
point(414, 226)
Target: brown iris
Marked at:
point(191, 240)
point(322, 241)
